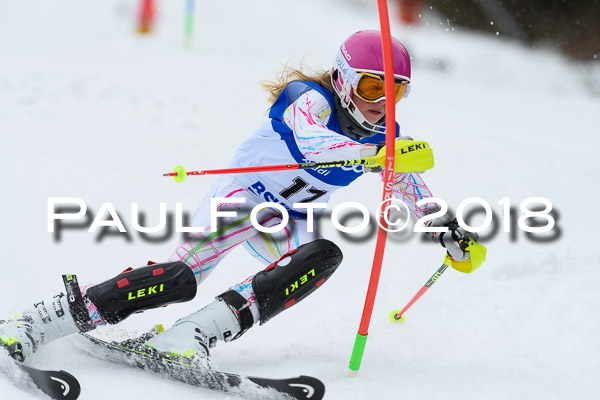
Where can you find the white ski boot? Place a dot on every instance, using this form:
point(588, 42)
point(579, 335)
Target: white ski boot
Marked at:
point(47, 321)
point(191, 337)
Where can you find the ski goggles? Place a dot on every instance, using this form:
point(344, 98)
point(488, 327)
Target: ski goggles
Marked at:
point(369, 86)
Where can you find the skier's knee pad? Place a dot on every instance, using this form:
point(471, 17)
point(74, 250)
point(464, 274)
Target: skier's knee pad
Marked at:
point(295, 276)
point(143, 288)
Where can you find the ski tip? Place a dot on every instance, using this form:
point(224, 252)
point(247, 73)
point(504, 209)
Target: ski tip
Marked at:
point(58, 385)
point(69, 385)
point(301, 387)
point(307, 387)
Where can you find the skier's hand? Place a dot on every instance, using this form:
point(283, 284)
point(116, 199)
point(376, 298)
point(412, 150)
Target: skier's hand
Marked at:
point(368, 151)
point(456, 240)
point(410, 156)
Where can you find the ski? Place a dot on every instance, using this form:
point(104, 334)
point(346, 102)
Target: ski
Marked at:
point(301, 387)
point(59, 385)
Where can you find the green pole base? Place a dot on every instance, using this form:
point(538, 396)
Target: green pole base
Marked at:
point(357, 351)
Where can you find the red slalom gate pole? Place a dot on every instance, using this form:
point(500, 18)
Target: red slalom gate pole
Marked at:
point(390, 137)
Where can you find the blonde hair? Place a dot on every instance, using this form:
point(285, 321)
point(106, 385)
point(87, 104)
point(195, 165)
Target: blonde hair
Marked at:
point(289, 74)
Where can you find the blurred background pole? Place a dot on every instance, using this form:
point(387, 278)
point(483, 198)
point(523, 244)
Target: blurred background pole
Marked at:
point(189, 21)
point(146, 14)
point(409, 11)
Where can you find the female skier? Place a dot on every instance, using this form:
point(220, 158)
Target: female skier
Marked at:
point(336, 115)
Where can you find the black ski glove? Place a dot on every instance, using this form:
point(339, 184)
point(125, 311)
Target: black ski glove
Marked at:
point(455, 240)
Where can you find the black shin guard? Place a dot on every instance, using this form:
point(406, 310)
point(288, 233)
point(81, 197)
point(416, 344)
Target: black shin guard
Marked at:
point(143, 288)
point(294, 277)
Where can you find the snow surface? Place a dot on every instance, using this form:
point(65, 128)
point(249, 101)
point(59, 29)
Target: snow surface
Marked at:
point(89, 109)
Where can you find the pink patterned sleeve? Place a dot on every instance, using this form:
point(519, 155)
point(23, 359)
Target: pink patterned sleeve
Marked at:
point(307, 117)
point(410, 188)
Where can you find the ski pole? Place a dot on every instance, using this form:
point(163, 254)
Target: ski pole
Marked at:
point(478, 253)
point(408, 156)
point(179, 173)
point(397, 316)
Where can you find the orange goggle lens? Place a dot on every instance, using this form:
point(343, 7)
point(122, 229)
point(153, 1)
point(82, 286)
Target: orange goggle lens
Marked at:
point(371, 88)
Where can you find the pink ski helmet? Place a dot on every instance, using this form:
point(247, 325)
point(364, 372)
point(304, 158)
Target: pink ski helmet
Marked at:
point(362, 54)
